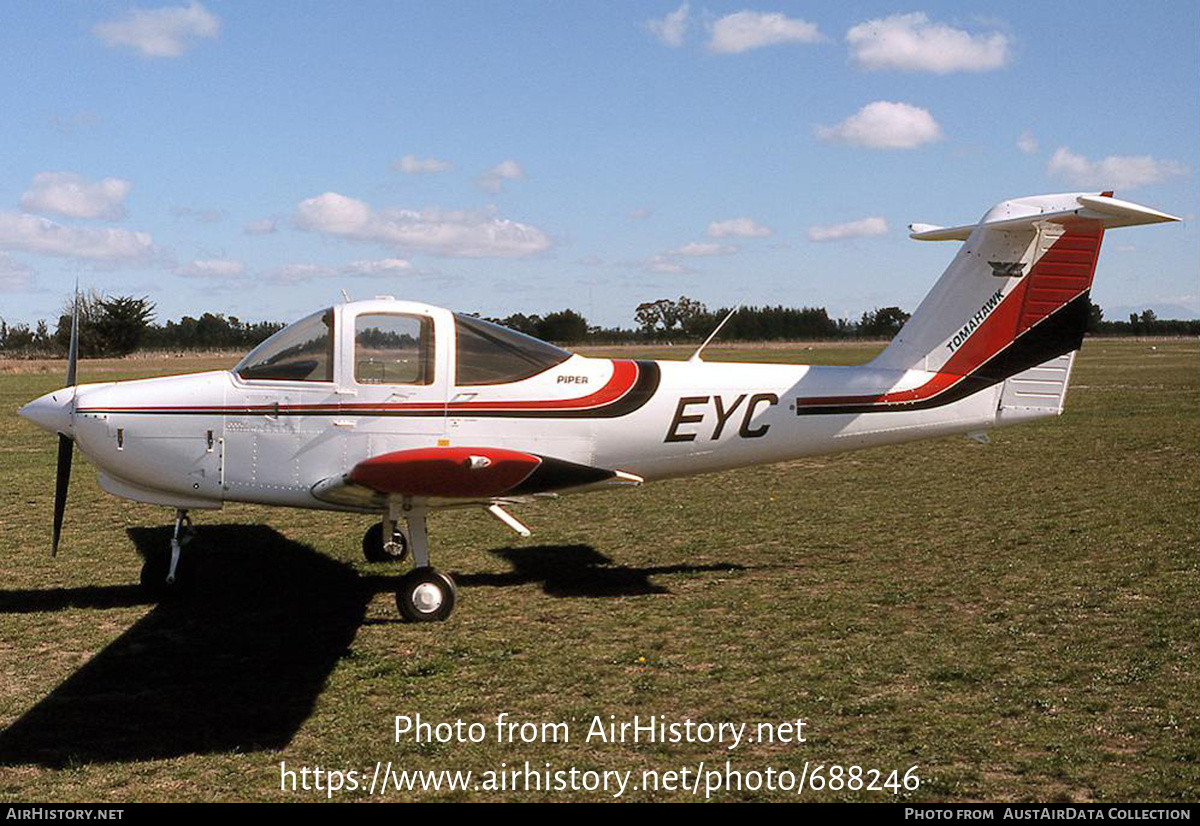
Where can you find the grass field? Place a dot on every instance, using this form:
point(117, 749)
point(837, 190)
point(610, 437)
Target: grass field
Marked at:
point(1017, 619)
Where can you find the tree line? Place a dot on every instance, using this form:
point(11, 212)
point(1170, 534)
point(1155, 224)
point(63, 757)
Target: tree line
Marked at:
point(118, 325)
point(687, 319)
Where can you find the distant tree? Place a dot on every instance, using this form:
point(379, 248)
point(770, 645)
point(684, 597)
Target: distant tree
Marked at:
point(885, 321)
point(527, 324)
point(41, 337)
point(665, 314)
point(565, 326)
point(655, 315)
point(693, 317)
point(89, 314)
point(121, 323)
point(1095, 317)
point(18, 338)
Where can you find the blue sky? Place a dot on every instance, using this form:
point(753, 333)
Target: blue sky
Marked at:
point(257, 158)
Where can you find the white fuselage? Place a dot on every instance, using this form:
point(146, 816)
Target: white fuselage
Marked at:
point(203, 439)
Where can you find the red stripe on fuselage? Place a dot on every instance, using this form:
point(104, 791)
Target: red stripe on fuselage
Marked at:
point(624, 376)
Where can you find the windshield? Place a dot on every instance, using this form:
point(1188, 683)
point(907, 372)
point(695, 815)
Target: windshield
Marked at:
point(300, 352)
point(487, 353)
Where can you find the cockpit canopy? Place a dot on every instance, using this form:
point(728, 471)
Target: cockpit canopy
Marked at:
point(299, 352)
point(399, 348)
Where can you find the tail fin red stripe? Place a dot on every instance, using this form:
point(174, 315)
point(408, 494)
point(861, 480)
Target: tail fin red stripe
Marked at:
point(1061, 275)
point(1063, 272)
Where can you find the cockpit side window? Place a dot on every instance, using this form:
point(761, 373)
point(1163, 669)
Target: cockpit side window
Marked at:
point(393, 349)
point(299, 352)
point(487, 353)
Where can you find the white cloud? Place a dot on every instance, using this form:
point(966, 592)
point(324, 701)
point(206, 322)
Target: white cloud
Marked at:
point(74, 196)
point(747, 30)
point(1027, 143)
point(34, 234)
point(507, 170)
point(412, 165)
point(202, 215)
point(165, 32)
point(866, 228)
point(1112, 172)
point(213, 268)
point(15, 277)
point(698, 250)
point(911, 43)
point(297, 273)
point(672, 29)
point(263, 226)
point(737, 228)
point(664, 266)
point(885, 125)
point(384, 266)
point(439, 232)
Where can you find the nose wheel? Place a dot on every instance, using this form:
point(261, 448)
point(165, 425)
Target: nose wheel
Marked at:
point(375, 549)
point(425, 594)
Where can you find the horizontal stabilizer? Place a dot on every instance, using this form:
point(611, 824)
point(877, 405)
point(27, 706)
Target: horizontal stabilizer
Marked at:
point(1102, 208)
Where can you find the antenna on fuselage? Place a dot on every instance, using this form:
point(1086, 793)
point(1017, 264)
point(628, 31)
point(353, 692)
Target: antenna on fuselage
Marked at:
point(345, 295)
point(696, 355)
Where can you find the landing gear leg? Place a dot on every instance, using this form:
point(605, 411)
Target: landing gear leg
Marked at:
point(183, 534)
point(425, 594)
point(161, 575)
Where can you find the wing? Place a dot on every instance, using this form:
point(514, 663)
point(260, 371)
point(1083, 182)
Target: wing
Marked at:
point(445, 476)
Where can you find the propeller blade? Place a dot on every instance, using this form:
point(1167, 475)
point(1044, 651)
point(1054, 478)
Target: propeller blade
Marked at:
point(73, 348)
point(62, 480)
point(66, 445)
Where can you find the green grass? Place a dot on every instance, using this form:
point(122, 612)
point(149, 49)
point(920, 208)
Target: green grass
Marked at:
point(1018, 619)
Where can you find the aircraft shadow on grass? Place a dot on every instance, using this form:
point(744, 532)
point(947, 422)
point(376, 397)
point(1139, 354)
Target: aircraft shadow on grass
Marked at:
point(579, 571)
point(238, 664)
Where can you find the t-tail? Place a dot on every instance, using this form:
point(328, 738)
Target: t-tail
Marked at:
point(1010, 310)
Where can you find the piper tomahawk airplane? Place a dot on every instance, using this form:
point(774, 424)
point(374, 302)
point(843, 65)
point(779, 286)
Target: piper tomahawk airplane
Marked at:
point(397, 408)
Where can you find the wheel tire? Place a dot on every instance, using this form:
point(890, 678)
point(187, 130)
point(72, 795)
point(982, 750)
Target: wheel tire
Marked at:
point(374, 549)
point(426, 595)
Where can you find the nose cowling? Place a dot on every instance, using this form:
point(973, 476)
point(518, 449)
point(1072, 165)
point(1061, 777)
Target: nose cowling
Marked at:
point(51, 412)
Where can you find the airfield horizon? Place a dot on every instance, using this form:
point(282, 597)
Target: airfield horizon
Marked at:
point(1017, 619)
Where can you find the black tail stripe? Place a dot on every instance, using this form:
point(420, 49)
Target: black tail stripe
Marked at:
point(1057, 334)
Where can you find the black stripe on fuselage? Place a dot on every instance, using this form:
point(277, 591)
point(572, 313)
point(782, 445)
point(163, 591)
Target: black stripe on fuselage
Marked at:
point(1057, 334)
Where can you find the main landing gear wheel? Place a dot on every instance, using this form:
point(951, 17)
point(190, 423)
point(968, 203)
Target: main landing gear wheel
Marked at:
point(376, 550)
point(426, 595)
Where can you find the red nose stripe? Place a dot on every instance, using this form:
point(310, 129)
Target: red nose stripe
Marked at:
point(445, 471)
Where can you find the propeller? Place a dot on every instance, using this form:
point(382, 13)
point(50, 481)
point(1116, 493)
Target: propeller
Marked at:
point(66, 445)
